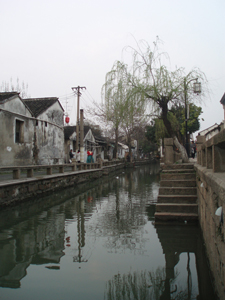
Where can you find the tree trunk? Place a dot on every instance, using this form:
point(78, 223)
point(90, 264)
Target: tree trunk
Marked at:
point(115, 151)
point(182, 150)
point(164, 107)
point(129, 145)
point(138, 156)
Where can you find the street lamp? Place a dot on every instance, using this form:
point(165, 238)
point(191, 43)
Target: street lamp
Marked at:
point(197, 87)
point(196, 90)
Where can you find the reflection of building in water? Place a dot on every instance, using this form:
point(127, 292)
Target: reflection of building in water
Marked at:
point(37, 240)
point(184, 239)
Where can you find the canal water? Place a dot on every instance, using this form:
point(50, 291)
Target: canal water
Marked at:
point(101, 242)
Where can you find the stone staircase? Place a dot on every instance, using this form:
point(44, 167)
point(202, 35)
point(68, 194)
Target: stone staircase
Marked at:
point(177, 199)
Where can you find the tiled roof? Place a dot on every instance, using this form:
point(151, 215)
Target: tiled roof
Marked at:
point(101, 139)
point(222, 101)
point(7, 95)
point(69, 130)
point(39, 105)
point(86, 129)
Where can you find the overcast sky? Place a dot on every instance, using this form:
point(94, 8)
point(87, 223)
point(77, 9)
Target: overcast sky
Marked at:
point(56, 45)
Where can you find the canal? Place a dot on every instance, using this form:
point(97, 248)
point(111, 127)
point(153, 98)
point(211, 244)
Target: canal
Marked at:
point(101, 242)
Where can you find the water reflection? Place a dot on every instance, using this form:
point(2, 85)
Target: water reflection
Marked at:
point(164, 282)
point(185, 241)
point(100, 233)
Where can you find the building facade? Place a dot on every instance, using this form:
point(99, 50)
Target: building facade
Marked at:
point(31, 130)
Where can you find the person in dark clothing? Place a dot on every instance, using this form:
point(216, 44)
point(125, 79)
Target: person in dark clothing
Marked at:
point(193, 149)
point(71, 153)
point(78, 156)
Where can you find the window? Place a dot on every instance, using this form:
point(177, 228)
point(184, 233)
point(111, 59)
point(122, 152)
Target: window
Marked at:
point(19, 131)
point(36, 122)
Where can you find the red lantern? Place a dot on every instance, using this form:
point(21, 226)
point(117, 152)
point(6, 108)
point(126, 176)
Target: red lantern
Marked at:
point(67, 119)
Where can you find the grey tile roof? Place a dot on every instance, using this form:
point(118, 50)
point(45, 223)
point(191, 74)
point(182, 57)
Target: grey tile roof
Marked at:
point(7, 95)
point(69, 130)
point(101, 139)
point(39, 105)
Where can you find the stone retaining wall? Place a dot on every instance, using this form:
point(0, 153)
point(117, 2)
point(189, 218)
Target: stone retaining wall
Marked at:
point(17, 191)
point(211, 195)
point(20, 190)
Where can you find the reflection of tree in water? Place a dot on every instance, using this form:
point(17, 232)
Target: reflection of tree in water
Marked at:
point(142, 286)
point(123, 215)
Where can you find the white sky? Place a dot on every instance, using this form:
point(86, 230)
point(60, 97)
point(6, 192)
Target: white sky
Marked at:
point(55, 45)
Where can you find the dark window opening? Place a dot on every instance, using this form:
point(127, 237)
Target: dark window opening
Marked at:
point(19, 134)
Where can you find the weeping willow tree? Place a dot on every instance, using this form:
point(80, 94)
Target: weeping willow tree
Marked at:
point(123, 108)
point(114, 97)
point(150, 78)
point(147, 80)
point(133, 116)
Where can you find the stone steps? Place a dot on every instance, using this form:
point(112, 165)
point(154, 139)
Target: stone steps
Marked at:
point(177, 191)
point(187, 166)
point(177, 207)
point(178, 183)
point(177, 176)
point(177, 199)
point(175, 217)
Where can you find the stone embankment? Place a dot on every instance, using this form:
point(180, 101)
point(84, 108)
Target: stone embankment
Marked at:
point(41, 180)
point(210, 176)
point(211, 195)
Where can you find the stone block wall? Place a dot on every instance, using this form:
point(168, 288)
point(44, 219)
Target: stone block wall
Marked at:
point(170, 156)
point(211, 195)
point(19, 191)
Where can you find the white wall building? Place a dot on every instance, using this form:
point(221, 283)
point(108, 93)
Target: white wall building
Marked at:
point(31, 130)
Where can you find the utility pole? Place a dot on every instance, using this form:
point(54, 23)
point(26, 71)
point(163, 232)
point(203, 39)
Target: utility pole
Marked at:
point(81, 135)
point(77, 89)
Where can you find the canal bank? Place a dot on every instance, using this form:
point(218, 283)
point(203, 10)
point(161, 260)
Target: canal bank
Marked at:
point(16, 191)
point(210, 184)
point(211, 195)
point(101, 243)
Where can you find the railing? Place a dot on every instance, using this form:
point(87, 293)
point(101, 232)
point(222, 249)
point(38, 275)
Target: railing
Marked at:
point(32, 170)
point(211, 153)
